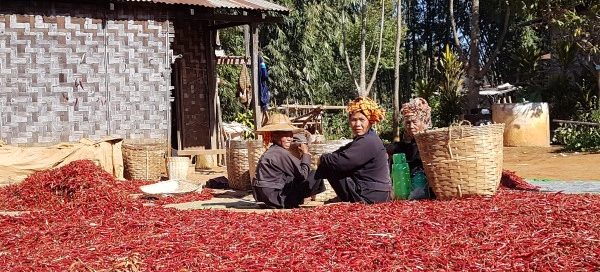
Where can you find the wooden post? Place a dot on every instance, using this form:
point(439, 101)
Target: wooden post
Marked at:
point(212, 88)
point(255, 84)
point(246, 39)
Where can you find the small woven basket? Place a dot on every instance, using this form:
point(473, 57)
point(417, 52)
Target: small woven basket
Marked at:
point(144, 160)
point(462, 160)
point(178, 167)
point(238, 170)
point(255, 150)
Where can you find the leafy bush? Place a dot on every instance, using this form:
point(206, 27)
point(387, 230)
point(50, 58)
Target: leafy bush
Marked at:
point(581, 137)
point(247, 119)
point(451, 94)
point(335, 125)
point(578, 138)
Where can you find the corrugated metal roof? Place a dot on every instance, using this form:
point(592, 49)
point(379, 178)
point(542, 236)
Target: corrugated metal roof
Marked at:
point(232, 4)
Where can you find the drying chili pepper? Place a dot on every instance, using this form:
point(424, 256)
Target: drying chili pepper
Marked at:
point(205, 194)
point(98, 231)
point(511, 180)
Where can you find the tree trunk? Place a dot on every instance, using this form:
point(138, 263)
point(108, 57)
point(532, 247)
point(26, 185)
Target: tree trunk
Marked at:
point(598, 75)
point(396, 121)
point(363, 62)
point(429, 65)
point(473, 66)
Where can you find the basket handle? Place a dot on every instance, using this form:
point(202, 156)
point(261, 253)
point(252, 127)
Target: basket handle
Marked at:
point(459, 124)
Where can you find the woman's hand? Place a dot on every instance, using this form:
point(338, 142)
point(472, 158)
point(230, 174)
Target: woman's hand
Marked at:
point(303, 148)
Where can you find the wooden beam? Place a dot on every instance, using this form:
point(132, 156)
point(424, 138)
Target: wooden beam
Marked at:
point(212, 87)
point(226, 25)
point(255, 83)
point(576, 123)
point(323, 107)
point(194, 152)
point(255, 18)
point(233, 60)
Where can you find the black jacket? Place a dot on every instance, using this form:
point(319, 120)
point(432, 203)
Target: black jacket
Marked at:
point(364, 160)
point(413, 158)
point(278, 166)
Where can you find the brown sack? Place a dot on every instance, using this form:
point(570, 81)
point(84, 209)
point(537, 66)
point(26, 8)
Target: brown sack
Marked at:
point(17, 162)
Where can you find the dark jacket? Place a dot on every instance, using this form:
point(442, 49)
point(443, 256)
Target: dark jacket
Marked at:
point(278, 166)
point(413, 158)
point(364, 160)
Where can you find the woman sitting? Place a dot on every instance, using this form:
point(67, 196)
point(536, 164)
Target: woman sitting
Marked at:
point(416, 115)
point(282, 180)
point(358, 171)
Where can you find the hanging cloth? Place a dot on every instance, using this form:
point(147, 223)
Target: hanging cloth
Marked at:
point(244, 86)
point(263, 78)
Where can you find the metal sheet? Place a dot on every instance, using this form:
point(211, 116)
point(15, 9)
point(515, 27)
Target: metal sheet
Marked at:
point(232, 4)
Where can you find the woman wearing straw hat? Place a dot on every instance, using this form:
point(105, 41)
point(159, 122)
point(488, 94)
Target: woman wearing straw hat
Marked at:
point(282, 180)
point(358, 172)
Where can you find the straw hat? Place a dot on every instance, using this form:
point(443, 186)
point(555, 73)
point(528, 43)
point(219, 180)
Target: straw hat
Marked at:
point(278, 122)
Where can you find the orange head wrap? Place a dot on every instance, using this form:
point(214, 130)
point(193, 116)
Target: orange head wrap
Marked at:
point(368, 107)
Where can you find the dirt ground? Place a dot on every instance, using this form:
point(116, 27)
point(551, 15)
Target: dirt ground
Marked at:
point(550, 163)
point(528, 162)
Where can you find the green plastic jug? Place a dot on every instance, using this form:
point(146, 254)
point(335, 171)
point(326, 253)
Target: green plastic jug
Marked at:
point(401, 181)
point(399, 158)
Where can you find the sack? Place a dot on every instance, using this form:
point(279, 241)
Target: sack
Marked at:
point(244, 86)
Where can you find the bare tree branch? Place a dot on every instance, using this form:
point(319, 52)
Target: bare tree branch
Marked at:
point(454, 33)
point(530, 22)
point(346, 54)
point(396, 117)
point(492, 58)
point(371, 49)
point(380, 47)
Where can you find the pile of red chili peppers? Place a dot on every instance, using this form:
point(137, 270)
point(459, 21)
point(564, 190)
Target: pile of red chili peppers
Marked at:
point(511, 180)
point(80, 224)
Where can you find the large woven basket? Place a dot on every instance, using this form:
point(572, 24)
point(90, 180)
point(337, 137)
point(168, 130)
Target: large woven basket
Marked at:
point(144, 160)
point(238, 170)
point(318, 149)
point(462, 160)
point(255, 150)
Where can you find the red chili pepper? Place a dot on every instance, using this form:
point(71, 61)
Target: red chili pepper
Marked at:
point(97, 226)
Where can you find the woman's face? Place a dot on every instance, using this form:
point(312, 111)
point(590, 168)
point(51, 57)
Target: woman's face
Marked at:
point(283, 138)
point(359, 123)
point(413, 125)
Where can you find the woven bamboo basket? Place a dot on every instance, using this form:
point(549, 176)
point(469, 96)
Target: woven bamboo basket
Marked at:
point(238, 170)
point(318, 149)
point(144, 160)
point(177, 167)
point(204, 162)
point(462, 160)
point(255, 150)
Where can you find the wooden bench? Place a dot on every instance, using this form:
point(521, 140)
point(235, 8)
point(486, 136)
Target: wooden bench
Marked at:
point(195, 152)
point(576, 123)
